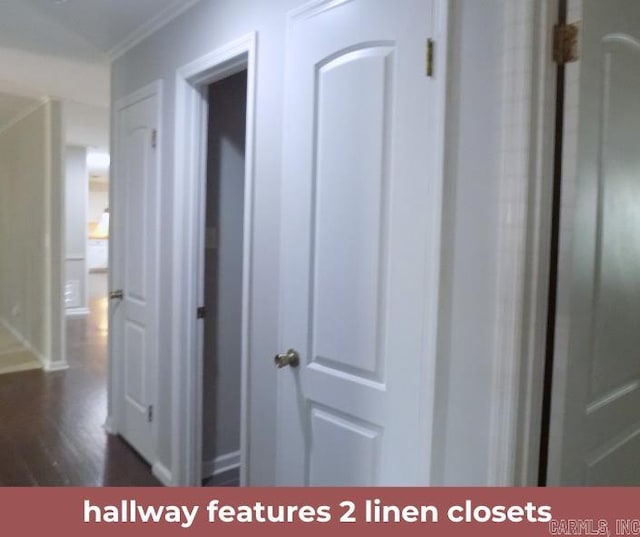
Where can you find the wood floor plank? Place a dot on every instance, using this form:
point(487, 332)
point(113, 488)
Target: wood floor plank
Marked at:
point(15, 471)
point(51, 424)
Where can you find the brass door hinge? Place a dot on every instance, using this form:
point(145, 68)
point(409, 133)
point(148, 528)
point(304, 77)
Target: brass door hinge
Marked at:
point(430, 59)
point(565, 43)
point(201, 313)
point(150, 414)
point(154, 138)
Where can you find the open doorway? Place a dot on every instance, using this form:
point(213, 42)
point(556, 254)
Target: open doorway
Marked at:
point(98, 226)
point(87, 167)
point(223, 255)
point(193, 85)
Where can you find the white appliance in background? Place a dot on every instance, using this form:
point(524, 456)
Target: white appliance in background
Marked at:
point(98, 255)
point(98, 245)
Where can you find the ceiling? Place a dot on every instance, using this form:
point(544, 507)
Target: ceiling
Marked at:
point(40, 40)
point(63, 49)
point(86, 30)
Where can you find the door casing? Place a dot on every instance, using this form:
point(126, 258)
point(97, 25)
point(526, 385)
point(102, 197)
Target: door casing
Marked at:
point(529, 82)
point(191, 119)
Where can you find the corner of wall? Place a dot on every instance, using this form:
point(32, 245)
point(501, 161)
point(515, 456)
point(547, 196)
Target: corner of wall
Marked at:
point(56, 343)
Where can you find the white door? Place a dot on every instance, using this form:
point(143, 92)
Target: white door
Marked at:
point(135, 271)
point(595, 426)
point(357, 240)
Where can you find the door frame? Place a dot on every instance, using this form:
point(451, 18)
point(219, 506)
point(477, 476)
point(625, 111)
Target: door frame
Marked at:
point(116, 252)
point(524, 242)
point(191, 123)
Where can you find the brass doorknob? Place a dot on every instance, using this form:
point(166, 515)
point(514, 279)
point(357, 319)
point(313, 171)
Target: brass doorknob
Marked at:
point(116, 295)
point(291, 358)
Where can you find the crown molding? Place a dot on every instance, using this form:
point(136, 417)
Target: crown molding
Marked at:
point(150, 27)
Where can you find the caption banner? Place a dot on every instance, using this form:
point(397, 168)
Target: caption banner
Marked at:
point(408, 511)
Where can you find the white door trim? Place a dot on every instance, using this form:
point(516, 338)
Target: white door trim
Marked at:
point(429, 399)
point(192, 80)
point(115, 276)
point(524, 241)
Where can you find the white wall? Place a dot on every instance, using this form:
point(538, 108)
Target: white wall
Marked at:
point(223, 285)
point(76, 192)
point(30, 246)
point(87, 125)
point(38, 75)
point(467, 345)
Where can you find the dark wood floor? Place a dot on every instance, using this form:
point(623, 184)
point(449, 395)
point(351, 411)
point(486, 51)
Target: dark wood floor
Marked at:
point(51, 424)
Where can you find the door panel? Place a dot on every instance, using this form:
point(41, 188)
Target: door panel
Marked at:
point(617, 289)
point(134, 322)
point(335, 467)
point(137, 176)
point(349, 212)
point(596, 395)
point(356, 207)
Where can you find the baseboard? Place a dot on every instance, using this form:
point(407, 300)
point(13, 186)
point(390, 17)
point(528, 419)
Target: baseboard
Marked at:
point(25, 343)
point(162, 474)
point(77, 312)
point(59, 366)
point(221, 464)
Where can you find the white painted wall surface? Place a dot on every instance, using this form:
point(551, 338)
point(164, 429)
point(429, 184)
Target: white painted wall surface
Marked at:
point(30, 249)
point(37, 75)
point(468, 301)
point(76, 200)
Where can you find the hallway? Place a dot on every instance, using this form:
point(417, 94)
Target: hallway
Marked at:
point(51, 424)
